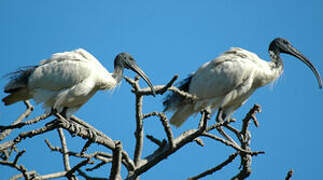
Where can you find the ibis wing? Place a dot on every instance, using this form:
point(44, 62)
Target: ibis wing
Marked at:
point(221, 76)
point(57, 75)
point(64, 70)
point(77, 55)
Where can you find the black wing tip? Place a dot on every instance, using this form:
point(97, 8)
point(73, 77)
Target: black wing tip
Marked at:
point(19, 71)
point(173, 99)
point(18, 79)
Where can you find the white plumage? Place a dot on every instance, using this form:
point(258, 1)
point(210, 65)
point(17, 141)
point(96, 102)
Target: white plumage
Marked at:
point(66, 80)
point(228, 81)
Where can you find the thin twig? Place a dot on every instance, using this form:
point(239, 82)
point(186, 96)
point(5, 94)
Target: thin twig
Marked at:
point(199, 141)
point(14, 164)
point(83, 132)
point(160, 89)
point(245, 140)
point(29, 174)
point(30, 134)
point(22, 124)
point(218, 124)
point(128, 162)
point(228, 143)
point(53, 175)
point(203, 120)
point(167, 128)
point(168, 85)
point(220, 130)
point(232, 129)
point(289, 175)
point(216, 168)
point(78, 166)
point(87, 125)
point(83, 174)
point(18, 156)
point(250, 115)
point(162, 153)
point(6, 131)
point(156, 141)
point(86, 146)
point(96, 166)
point(66, 158)
point(191, 98)
point(102, 156)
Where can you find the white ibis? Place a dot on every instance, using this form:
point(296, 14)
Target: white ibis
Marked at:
point(227, 82)
point(67, 80)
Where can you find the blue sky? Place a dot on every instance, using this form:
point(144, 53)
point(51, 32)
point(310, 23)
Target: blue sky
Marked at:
point(176, 37)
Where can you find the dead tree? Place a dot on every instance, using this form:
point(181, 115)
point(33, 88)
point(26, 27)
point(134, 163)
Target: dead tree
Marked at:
point(112, 151)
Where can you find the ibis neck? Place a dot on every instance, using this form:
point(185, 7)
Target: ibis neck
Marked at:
point(271, 72)
point(118, 73)
point(277, 62)
point(276, 65)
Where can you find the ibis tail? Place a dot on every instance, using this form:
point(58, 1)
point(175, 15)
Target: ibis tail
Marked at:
point(177, 103)
point(17, 87)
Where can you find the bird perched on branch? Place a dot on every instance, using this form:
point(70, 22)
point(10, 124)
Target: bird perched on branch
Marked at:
point(67, 80)
point(227, 82)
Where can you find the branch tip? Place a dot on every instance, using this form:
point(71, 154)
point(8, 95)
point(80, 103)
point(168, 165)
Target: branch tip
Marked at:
point(289, 174)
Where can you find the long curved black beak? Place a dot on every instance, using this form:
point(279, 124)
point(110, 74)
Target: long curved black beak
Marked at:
point(294, 52)
point(141, 73)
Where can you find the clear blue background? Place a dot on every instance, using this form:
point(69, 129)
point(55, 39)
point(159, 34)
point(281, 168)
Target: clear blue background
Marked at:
point(175, 37)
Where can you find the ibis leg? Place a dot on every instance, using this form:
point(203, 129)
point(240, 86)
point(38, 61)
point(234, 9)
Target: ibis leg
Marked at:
point(220, 117)
point(63, 113)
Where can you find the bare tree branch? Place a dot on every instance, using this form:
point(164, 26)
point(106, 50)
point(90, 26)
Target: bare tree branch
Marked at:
point(160, 89)
point(187, 96)
point(29, 134)
point(199, 141)
point(7, 131)
point(89, 177)
point(86, 146)
point(78, 166)
point(14, 164)
point(102, 156)
point(66, 158)
point(18, 156)
point(53, 175)
point(22, 124)
point(162, 153)
point(167, 146)
point(250, 115)
point(165, 124)
point(245, 140)
point(220, 129)
point(29, 174)
point(157, 141)
point(87, 125)
point(139, 133)
point(128, 161)
point(65, 150)
point(99, 165)
point(289, 175)
point(84, 133)
point(116, 162)
point(216, 168)
point(228, 143)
